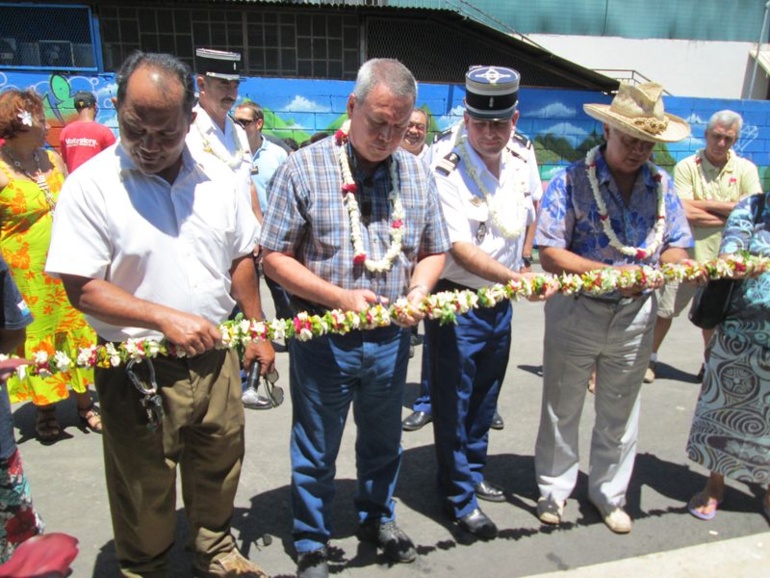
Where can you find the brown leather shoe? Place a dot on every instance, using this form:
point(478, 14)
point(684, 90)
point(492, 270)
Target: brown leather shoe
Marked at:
point(232, 565)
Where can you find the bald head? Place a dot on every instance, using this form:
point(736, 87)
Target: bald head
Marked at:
point(154, 114)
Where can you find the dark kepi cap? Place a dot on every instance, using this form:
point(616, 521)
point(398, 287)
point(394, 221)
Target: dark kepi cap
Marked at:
point(83, 99)
point(218, 63)
point(491, 92)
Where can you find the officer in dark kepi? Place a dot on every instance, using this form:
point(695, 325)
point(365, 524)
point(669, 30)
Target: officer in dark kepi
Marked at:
point(487, 200)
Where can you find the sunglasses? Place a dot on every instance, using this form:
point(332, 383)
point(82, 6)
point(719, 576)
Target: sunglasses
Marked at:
point(244, 122)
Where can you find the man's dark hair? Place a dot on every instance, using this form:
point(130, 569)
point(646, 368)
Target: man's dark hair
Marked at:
point(163, 62)
point(254, 107)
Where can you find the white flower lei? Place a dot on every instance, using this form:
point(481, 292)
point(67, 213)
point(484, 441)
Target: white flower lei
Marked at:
point(233, 161)
point(351, 204)
point(462, 148)
point(660, 217)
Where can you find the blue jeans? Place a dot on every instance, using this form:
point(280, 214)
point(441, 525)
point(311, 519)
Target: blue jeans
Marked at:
point(367, 369)
point(422, 403)
point(467, 363)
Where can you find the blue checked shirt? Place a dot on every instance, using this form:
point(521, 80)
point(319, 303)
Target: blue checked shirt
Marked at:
point(306, 218)
point(569, 215)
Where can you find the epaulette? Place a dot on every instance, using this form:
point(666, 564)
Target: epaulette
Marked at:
point(524, 141)
point(443, 134)
point(448, 163)
point(516, 154)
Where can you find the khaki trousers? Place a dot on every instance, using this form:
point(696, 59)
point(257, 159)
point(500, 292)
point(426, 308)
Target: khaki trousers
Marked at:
point(202, 432)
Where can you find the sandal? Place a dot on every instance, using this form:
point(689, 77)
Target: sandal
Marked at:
point(703, 506)
point(46, 426)
point(91, 418)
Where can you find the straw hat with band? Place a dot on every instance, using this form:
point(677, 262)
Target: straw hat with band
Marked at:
point(491, 92)
point(218, 63)
point(638, 111)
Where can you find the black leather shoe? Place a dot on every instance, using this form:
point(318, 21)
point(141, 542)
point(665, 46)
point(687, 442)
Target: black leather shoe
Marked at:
point(393, 540)
point(478, 524)
point(313, 564)
point(416, 420)
point(489, 492)
point(497, 421)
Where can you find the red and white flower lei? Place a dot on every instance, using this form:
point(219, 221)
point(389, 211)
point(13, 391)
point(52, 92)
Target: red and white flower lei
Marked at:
point(349, 190)
point(660, 217)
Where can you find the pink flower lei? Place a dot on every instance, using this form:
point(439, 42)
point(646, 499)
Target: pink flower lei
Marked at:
point(660, 218)
point(349, 190)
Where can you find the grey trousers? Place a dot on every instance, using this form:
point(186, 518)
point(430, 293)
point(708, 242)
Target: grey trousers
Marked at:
point(582, 333)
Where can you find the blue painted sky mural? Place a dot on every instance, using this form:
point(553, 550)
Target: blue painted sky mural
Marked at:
point(553, 119)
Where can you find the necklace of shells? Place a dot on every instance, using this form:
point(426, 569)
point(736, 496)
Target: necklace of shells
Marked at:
point(232, 161)
point(660, 217)
point(354, 213)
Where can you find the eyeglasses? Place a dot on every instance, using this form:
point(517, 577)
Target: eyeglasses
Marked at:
point(244, 122)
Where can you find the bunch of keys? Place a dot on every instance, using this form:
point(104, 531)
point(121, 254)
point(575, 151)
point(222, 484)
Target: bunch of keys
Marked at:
point(151, 400)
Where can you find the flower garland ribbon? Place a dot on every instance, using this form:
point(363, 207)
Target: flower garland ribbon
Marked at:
point(444, 306)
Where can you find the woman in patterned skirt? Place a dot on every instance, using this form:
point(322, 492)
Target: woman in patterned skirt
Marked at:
point(30, 180)
point(730, 433)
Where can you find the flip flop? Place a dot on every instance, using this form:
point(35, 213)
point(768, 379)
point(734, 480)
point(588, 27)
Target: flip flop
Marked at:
point(699, 501)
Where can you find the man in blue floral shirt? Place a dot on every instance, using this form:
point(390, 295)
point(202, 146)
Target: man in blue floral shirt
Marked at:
point(613, 209)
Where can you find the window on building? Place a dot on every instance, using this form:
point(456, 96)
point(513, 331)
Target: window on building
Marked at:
point(47, 37)
point(272, 43)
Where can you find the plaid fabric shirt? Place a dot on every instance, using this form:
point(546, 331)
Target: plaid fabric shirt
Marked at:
point(306, 218)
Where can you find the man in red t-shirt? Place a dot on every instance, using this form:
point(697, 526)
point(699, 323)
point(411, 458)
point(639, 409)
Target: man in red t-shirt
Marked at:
point(84, 138)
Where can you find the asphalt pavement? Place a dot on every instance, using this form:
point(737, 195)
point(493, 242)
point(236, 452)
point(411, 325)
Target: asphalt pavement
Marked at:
point(67, 481)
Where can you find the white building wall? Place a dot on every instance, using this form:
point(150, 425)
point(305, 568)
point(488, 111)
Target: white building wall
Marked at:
point(683, 67)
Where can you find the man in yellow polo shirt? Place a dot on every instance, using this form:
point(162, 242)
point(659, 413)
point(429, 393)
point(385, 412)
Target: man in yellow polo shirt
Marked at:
point(710, 183)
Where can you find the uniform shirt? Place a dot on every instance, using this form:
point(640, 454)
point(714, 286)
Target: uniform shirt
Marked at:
point(81, 140)
point(696, 179)
point(264, 163)
point(306, 217)
point(15, 312)
point(469, 218)
point(210, 145)
point(519, 144)
point(569, 215)
point(171, 244)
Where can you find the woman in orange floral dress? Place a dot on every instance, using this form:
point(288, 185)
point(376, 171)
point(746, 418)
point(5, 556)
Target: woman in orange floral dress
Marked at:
point(30, 180)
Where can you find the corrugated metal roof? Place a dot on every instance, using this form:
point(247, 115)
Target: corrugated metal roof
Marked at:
point(543, 67)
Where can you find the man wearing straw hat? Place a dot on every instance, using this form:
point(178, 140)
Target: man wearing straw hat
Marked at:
point(613, 209)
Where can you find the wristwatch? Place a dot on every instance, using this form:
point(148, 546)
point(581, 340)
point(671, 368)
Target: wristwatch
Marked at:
point(527, 260)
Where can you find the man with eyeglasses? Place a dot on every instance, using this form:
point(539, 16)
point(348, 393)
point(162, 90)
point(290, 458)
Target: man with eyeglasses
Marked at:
point(612, 209)
point(266, 156)
point(710, 184)
point(488, 204)
point(215, 140)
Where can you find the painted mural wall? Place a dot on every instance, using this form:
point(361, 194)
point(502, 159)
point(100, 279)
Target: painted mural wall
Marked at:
point(552, 119)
